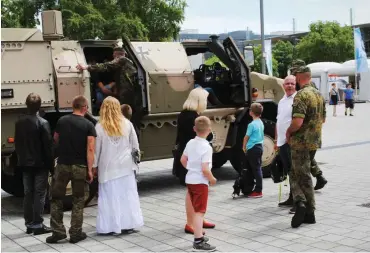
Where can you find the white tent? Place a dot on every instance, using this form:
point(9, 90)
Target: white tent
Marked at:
point(321, 70)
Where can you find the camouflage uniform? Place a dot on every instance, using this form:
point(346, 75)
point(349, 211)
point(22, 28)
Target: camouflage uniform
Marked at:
point(315, 170)
point(123, 70)
point(62, 175)
point(309, 105)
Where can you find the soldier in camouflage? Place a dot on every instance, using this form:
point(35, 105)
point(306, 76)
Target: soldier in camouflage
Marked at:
point(304, 135)
point(123, 69)
point(315, 170)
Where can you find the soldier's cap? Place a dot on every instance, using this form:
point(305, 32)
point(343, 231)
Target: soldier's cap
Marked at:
point(119, 49)
point(302, 69)
point(298, 62)
point(295, 64)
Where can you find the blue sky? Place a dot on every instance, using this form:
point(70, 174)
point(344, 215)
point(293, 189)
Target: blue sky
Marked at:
point(218, 16)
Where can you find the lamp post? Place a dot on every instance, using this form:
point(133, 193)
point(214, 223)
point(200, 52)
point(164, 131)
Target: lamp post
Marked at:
point(263, 62)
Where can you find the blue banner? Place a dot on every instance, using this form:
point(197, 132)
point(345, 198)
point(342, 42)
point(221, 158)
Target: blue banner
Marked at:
point(360, 53)
point(268, 56)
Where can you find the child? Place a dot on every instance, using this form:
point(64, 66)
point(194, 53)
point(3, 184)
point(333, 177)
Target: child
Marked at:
point(348, 99)
point(197, 159)
point(126, 111)
point(253, 147)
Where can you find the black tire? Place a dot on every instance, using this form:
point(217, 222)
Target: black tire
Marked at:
point(12, 184)
point(269, 153)
point(219, 159)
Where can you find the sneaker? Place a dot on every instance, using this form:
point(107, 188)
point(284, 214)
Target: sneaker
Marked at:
point(29, 230)
point(288, 202)
point(292, 210)
point(78, 238)
point(255, 195)
point(43, 230)
point(203, 246)
point(190, 230)
point(55, 238)
point(207, 224)
point(351, 114)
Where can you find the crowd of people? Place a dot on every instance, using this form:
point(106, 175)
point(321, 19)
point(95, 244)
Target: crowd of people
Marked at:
point(109, 150)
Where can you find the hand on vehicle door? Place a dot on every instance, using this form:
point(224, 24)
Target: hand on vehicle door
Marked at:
point(80, 67)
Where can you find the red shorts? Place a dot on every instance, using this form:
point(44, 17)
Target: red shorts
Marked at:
point(199, 197)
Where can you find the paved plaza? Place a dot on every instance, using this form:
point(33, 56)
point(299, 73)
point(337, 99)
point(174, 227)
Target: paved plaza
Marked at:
point(343, 207)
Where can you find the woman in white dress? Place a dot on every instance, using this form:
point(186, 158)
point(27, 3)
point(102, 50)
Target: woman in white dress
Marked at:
point(118, 203)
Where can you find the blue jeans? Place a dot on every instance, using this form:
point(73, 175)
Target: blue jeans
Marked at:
point(253, 162)
point(35, 181)
point(207, 89)
point(100, 96)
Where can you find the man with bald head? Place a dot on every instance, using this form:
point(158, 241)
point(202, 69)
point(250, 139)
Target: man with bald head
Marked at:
point(284, 118)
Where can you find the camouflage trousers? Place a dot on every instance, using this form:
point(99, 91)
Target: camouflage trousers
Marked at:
point(301, 181)
point(315, 170)
point(62, 175)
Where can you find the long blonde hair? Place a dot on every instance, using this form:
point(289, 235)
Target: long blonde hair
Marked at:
point(197, 100)
point(111, 117)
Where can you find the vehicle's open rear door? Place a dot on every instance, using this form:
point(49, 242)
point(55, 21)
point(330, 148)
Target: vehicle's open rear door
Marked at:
point(241, 72)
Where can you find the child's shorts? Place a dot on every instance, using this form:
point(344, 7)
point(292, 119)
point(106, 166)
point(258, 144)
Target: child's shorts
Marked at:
point(199, 197)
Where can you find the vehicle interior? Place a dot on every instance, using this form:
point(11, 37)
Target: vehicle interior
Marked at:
point(106, 79)
point(226, 83)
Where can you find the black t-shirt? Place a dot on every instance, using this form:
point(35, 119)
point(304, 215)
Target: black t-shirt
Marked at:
point(73, 131)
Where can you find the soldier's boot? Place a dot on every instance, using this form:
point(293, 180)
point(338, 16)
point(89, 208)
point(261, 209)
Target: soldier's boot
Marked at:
point(78, 238)
point(299, 215)
point(320, 182)
point(288, 202)
point(309, 218)
point(54, 238)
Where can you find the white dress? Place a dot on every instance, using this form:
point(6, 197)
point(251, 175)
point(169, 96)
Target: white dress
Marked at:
point(118, 202)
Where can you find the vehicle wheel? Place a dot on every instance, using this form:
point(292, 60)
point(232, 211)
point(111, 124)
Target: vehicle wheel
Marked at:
point(236, 153)
point(219, 159)
point(12, 184)
point(269, 152)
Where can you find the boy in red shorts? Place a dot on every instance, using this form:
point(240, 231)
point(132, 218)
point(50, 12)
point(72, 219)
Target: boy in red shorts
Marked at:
point(197, 159)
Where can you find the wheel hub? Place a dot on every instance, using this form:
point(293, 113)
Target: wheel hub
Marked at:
point(269, 152)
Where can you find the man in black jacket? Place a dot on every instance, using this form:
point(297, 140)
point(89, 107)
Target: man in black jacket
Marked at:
point(33, 145)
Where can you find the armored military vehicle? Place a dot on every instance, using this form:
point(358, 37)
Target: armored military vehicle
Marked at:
point(45, 63)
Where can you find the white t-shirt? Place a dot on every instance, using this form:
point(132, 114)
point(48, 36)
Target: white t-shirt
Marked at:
point(284, 118)
point(198, 151)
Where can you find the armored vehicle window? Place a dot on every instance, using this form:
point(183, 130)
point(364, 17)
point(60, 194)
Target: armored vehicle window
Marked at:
point(226, 79)
point(101, 84)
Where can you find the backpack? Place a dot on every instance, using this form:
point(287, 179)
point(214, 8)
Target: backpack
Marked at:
point(278, 172)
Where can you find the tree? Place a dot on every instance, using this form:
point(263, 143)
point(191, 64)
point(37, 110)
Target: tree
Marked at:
point(283, 53)
point(326, 41)
point(211, 60)
point(257, 51)
point(22, 13)
point(155, 20)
